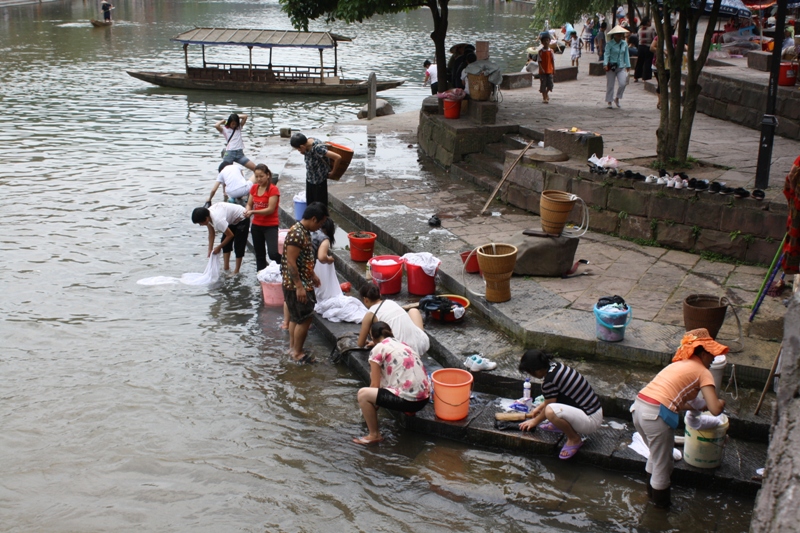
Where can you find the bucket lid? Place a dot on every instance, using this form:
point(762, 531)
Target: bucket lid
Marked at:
point(720, 360)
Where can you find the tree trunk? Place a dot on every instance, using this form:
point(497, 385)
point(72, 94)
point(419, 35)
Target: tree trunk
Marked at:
point(439, 13)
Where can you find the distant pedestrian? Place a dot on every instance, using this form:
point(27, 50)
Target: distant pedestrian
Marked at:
point(263, 207)
point(575, 48)
point(586, 34)
point(234, 184)
point(230, 221)
point(644, 61)
point(617, 63)
point(546, 67)
point(299, 278)
point(431, 76)
point(320, 163)
point(600, 40)
point(231, 129)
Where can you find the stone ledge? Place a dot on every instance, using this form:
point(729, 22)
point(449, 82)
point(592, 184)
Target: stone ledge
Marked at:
point(563, 74)
point(516, 80)
point(579, 146)
point(758, 60)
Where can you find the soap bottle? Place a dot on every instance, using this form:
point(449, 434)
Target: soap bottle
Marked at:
point(526, 393)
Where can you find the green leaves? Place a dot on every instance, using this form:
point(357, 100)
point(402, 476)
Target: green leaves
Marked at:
point(300, 12)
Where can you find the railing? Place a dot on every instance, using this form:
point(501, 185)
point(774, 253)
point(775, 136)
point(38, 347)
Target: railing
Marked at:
point(262, 73)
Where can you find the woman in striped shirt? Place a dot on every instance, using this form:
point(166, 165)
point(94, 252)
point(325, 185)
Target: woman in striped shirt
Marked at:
point(570, 404)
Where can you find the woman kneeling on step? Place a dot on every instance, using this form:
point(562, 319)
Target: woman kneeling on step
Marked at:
point(570, 404)
point(398, 381)
point(655, 411)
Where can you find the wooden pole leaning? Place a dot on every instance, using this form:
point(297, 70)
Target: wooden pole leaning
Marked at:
point(500, 184)
point(769, 380)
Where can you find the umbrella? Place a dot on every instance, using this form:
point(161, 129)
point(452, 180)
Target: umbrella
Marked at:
point(730, 8)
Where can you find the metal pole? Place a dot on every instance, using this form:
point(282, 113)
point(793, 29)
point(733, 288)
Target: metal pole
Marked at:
point(769, 123)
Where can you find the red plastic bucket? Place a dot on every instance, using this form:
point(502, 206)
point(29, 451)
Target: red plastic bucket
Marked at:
point(471, 261)
point(788, 74)
point(452, 109)
point(361, 248)
point(419, 283)
point(388, 278)
point(273, 294)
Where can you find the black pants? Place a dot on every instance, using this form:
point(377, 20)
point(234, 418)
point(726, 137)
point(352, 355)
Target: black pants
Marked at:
point(239, 242)
point(644, 70)
point(434, 88)
point(265, 237)
point(317, 192)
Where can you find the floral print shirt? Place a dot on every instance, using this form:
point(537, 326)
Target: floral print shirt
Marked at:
point(317, 167)
point(402, 372)
point(299, 236)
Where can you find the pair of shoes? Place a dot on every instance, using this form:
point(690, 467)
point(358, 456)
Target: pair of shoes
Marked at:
point(701, 185)
point(616, 102)
point(741, 192)
point(715, 187)
point(691, 184)
point(662, 181)
point(726, 190)
point(652, 180)
point(608, 105)
point(758, 194)
point(366, 442)
point(477, 363)
point(662, 172)
point(548, 426)
point(569, 451)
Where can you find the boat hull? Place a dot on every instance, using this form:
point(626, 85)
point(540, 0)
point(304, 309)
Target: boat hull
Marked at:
point(181, 81)
point(101, 23)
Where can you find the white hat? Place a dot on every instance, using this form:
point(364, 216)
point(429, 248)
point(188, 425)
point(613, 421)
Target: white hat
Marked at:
point(618, 29)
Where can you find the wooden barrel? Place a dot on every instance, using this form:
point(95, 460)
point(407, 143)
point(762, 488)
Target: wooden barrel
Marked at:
point(554, 209)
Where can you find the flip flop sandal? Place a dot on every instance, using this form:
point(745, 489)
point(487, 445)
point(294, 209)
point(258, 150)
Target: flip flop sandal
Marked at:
point(306, 360)
point(758, 194)
point(548, 426)
point(568, 452)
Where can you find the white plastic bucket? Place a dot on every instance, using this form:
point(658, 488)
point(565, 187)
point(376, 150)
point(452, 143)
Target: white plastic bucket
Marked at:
point(717, 369)
point(703, 447)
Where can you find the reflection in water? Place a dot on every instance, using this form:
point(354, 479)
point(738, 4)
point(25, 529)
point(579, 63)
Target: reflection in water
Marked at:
point(174, 407)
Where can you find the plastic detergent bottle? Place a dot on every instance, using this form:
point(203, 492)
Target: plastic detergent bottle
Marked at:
point(526, 393)
point(368, 273)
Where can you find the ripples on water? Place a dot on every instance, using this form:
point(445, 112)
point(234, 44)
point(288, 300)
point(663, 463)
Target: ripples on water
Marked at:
point(172, 408)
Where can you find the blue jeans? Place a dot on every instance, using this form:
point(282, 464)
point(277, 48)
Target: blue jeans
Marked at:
point(236, 156)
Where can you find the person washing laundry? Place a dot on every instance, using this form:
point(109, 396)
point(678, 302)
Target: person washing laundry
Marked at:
point(656, 408)
point(617, 63)
point(407, 326)
point(230, 221)
point(234, 184)
point(570, 404)
point(431, 76)
point(320, 164)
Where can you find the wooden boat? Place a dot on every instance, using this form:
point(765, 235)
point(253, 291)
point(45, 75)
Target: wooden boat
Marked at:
point(101, 23)
point(270, 78)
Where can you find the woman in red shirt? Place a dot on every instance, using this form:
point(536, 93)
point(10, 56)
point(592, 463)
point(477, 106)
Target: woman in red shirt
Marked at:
point(263, 205)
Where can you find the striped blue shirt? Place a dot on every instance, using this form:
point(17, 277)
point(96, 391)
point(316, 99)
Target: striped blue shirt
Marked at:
point(569, 387)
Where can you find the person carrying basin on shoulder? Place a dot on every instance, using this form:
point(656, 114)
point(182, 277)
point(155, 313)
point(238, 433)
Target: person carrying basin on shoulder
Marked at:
point(234, 184)
point(407, 326)
point(655, 410)
point(570, 404)
point(617, 63)
point(230, 221)
point(320, 164)
point(231, 129)
point(398, 381)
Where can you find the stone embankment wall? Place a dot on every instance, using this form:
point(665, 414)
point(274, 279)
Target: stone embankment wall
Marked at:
point(778, 504)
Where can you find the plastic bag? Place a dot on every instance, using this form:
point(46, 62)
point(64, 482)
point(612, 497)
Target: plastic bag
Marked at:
point(608, 162)
point(452, 95)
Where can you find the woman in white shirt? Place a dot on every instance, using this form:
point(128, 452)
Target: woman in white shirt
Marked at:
point(407, 327)
point(231, 129)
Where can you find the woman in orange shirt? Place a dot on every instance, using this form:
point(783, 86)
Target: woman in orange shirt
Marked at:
point(655, 411)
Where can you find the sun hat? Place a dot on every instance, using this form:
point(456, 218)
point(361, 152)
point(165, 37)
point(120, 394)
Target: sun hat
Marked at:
point(693, 339)
point(532, 50)
point(617, 29)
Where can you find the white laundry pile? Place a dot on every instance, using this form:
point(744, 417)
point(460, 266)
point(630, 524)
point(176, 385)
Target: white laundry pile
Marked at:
point(271, 274)
point(383, 262)
point(425, 260)
point(341, 309)
point(641, 448)
point(300, 197)
point(207, 277)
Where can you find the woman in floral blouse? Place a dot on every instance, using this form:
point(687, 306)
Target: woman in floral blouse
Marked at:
point(398, 381)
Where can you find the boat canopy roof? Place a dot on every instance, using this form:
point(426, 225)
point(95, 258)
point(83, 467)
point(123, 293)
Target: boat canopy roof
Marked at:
point(260, 38)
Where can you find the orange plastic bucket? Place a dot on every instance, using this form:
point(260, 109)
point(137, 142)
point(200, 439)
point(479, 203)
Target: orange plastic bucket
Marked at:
point(788, 74)
point(452, 109)
point(361, 247)
point(419, 283)
point(451, 391)
point(273, 294)
point(388, 278)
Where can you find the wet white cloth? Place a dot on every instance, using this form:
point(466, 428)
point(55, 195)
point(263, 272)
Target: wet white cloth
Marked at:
point(207, 277)
point(641, 448)
point(300, 197)
point(271, 274)
point(341, 309)
point(328, 282)
point(384, 262)
point(701, 421)
point(425, 260)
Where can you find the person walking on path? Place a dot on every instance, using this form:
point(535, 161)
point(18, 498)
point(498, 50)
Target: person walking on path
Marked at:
point(600, 40)
point(231, 129)
point(575, 48)
point(234, 184)
point(263, 206)
point(617, 63)
point(299, 278)
point(230, 221)
point(655, 410)
point(431, 76)
point(570, 404)
point(546, 67)
point(647, 34)
point(397, 381)
point(320, 164)
point(407, 326)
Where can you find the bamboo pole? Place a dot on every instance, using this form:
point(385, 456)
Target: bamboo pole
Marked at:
point(496, 189)
point(769, 380)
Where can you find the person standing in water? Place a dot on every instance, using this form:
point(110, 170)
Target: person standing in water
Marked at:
point(230, 221)
point(263, 206)
point(106, 7)
point(231, 129)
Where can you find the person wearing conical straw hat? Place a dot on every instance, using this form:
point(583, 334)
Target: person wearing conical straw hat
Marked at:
point(617, 62)
point(655, 410)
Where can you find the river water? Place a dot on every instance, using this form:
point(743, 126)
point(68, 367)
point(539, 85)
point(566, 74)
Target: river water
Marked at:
point(172, 408)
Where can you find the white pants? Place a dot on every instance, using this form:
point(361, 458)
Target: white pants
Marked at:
point(578, 419)
point(659, 437)
point(621, 77)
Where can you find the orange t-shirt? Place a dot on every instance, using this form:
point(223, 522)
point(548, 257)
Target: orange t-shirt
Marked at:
point(678, 383)
point(546, 61)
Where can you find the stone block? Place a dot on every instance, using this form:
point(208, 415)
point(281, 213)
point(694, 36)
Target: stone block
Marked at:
point(575, 146)
point(758, 60)
point(596, 69)
point(443, 156)
point(705, 104)
point(703, 215)
point(553, 181)
point(667, 208)
point(516, 80)
point(591, 192)
point(720, 242)
point(761, 251)
point(788, 128)
point(635, 228)
point(430, 105)
point(720, 110)
point(629, 201)
point(753, 97)
point(737, 218)
point(483, 112)
point(563, 74)
point(527, 177)
point(790, 106)
point(773, 225)
point(676, 236)
point(603, 221)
